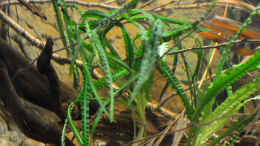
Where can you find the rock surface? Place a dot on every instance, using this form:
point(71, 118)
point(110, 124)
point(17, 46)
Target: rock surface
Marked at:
point(10, 135)
point(31, 142)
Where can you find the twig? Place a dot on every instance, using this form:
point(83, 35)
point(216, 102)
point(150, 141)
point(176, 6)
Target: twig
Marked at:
point(34, 41)
point(189, 126)
point(109, 2)
point(237, 4)
point(20, 30)
point(163, 5)
point(212, 57)
point(147, 4)
point(169, 127)
point(204, 76)
point(35, 10)
point(195, 25)
point(38, 43)
point(21, 45)
point(211, 47)
point(164, 100)
point(82, 3)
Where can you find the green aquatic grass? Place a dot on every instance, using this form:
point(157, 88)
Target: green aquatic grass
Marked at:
point(145, 52)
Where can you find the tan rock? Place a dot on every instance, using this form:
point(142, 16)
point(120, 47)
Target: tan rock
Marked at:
point(3, 126)
point(72, 137)
point(6, 142)
point(31, 142)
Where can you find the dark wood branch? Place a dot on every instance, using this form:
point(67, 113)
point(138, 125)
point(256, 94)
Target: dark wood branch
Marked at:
point(31, 84)
point(34, 121)
point(44, 67)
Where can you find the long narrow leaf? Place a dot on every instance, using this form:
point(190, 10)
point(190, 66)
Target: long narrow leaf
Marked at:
point(152, 42)
point(174, 82)
point(103, 56)
point(85, 110)
point(72, 125)
point(239, 125)
point(101, 83)
point(94, 89)
point(130, 50)
point(224, 111)
point(226, 79)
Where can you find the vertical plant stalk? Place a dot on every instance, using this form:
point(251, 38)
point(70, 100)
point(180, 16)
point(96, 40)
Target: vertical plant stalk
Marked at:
point(60, 24)
point(107, 70)
point(174, 67)
point(101, 52)
point(85, 110)
point(64, 132)
point(174, 82)
point(72, 125)
point(151, 45)
point(66, 36)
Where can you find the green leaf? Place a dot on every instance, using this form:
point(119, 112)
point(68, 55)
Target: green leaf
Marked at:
point(218, 118)
point(130, 49)
point(152, 42)
point(72, 125)
point(85, 109)
point(94, 13)
point(98, 118)
point(101, 83)
point(127, 83)
point(111, 48)
point(225, 79)
point(239, 125)
point(93, 88)
point(174, 82)
point(103, 57)
point(180, 30)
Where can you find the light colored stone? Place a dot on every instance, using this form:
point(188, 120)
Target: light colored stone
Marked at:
point(14, 137)
point(3, 126)
point(6, 142)
point(31, 142)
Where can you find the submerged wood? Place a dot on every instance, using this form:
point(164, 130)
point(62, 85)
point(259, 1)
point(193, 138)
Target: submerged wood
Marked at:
point(44, 67)
point(34, 121)
point(33, 98)
point(30, 84)
point(34, 101)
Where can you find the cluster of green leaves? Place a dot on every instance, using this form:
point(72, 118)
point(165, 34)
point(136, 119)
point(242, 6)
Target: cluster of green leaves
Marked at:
point(87, 40)
point(224, 112)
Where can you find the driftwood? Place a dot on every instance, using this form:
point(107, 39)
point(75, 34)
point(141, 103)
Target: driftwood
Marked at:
point(31, 84)
point(35, 121)
point(33, 99)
